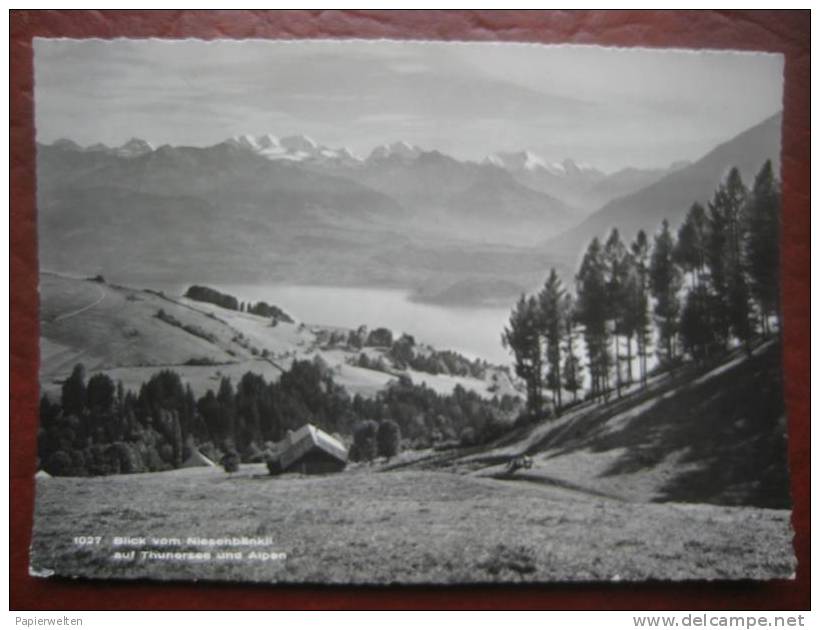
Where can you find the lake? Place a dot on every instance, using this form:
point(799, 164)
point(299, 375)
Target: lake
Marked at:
point(472, 331)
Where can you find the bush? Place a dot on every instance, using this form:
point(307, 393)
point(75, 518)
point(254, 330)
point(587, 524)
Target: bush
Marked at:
point(388, 439)
point(230, 462)
point(381, 337)
point(273, 464)
point(58, 464)
point(467, 437)
point(364, 441)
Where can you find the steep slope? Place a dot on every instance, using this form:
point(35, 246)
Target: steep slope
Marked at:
point(671, 197)
point(701, 435)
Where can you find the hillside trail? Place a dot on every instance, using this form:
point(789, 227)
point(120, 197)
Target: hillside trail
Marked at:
point(574, 431)
point(79, 311)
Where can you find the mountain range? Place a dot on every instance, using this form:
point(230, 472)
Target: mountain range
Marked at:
point(573, 189)
point(264, 208)
point(671, 196)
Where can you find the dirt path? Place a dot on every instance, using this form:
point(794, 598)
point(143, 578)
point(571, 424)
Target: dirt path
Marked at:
point(84, 308)
point(545, 481)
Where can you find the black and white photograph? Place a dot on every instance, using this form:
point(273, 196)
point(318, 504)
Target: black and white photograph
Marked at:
point(409, 312)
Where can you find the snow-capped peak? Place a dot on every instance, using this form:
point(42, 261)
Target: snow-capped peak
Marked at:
point(346, 153)
point(135, 147)
point(245, 141)
point(295, 148)
point(299, 143)
point(268, 141)
point(400, 149)
point(517, 161)
point(494, 160)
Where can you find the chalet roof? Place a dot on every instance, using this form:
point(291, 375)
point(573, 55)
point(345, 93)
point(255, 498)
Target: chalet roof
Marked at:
point(196, 459)
point(299, 442)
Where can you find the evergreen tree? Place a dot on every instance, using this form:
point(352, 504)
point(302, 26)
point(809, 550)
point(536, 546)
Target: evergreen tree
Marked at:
point(618, 283)
point(573, 379)
point(225, 398)
point(696, 331)
point(100, 393)
point(552, 303)
point(73, 392)
point(592, 313)
point(762, 249)
point(640, 299)
point(365, 445)
point(120, 396)
point(716, 244)
point(739, 297)
point(388, 438)
point(690, 248)
point(697, 321)
point(665, 282)
point(523, 338)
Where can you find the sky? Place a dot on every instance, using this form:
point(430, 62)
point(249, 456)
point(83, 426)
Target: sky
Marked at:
point(606, 107)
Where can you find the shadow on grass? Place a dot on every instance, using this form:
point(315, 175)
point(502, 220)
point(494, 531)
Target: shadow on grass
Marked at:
point(728, 433)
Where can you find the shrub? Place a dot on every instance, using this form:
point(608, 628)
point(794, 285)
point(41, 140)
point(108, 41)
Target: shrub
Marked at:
point(273, 463)
point(364, 441)
point(381, 337)
point(230, 461)
point(467, 437)
point(58, 464)
point(388, 439)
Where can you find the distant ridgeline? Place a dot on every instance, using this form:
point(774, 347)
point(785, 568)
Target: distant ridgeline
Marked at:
point(212, 296)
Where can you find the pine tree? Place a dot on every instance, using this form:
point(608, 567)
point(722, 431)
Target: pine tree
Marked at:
point(227, 411)
point(551, 303)
point(523, 338)
point(716, 243)
point(573, 379)
point(762, 249)
point(696, 330)
point(617, 271)
point(592, 313)
point(73, 392)
point(696, 322)
point(690, 249)
point(665, 282)
point(739, 296)
point(388, 439)
point(640, 299)
point(99, 393)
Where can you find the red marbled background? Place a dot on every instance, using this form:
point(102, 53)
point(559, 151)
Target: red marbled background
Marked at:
point(787, 32)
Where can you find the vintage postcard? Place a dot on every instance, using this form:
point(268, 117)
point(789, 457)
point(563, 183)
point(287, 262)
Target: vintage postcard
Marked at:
point(371, 312)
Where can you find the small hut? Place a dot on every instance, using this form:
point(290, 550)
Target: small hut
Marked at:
point(196, 460)
point(310, 451)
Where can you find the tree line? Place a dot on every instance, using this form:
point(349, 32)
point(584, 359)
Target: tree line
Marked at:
point(690, 295)
point(227, 301)
point(99, 428)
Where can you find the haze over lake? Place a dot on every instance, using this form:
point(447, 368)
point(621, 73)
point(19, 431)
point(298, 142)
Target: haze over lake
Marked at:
point(472, 331)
